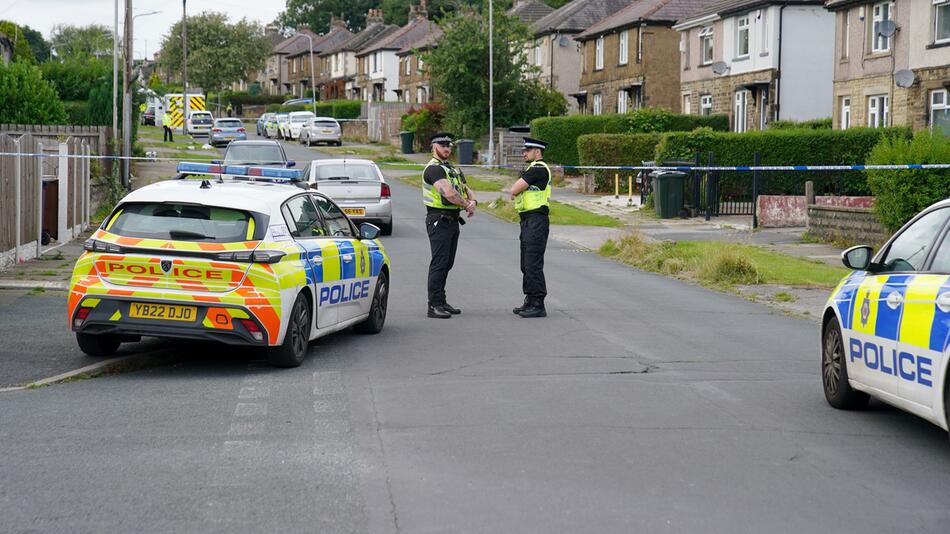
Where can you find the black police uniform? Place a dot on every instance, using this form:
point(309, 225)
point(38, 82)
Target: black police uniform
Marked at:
point(535, 226)
point(442, 226)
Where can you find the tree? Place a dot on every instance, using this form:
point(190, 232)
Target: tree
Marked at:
point(94, 40)
point(38, 45)
point(459, 71)
point(397, 11)
point(218, 52)
point(21, 46)
point(27, 97)
point(317, 13)
point(73, 77)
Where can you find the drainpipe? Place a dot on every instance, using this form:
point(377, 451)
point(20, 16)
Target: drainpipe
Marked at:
point(778, 77)
point(551, 79)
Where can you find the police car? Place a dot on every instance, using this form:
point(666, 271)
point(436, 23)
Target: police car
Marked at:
point(263, 261)
point(886, 328)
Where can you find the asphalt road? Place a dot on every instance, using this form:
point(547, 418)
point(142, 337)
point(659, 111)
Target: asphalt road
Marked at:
point(641, 404)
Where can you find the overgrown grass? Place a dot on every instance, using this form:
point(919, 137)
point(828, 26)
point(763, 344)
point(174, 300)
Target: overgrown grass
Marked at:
point(722, 264)
point(477, 184)
point(560, 214)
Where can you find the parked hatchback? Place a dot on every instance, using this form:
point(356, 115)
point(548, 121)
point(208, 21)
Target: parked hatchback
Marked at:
point(200, 122)
point(321, 130)
point(357, 186)
point(227, 130)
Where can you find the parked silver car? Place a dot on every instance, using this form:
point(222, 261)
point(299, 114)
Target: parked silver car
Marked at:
point(226, 130)
point(357, 186)
point(321, 130)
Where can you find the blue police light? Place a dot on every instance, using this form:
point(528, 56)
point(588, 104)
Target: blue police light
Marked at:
point(266, 173)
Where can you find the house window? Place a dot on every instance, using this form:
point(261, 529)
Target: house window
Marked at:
point(845, 112)
point(845, 34)
point(621, 101)
point(640, 44)
point(420, 95)
point(293, 66)
point(706, 45)
point(408, 60)
point(764, 19)
point(941, 21)
point(742, 111)
point(705, 105)
point(379, 62)
point(742, 36)
point(940, 111)
point(624, 47)
point(419, 64)
point(684, 50)
point(537, 53)
point(878, 110)
point(687, 106)
point(599, 53)
point(882, 13)
point(598, 103)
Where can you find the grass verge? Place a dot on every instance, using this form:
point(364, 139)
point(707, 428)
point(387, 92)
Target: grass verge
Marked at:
point(477, 184)
point(720, 264)
point(560, 214)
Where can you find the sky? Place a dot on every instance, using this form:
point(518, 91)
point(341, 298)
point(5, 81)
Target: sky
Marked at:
point(148, 31)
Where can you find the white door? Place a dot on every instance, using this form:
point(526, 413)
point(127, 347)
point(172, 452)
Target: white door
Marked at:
point(741, 111)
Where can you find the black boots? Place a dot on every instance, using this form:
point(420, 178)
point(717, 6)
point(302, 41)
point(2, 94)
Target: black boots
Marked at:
point(438, 312)
point(449, 308)
point(524, 305)
point(534, 307)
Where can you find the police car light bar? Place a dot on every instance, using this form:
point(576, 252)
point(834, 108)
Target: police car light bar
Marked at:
point(243, 171)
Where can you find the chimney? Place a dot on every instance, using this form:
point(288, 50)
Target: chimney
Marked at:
point(271, 30)
point(337, 22)
point(374, 16)
point(418, 11)
point(303, 28)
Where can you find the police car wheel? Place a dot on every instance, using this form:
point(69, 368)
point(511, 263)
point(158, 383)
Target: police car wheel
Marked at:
point(98, 345)
point(296, 341)
point(834, 371)
point(377, 312)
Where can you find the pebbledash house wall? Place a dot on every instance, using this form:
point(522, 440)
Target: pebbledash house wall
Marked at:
point(657, 71)
point(861, 73)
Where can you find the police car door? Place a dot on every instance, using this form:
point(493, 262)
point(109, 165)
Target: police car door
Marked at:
point(355, 293)
point(309, 231)
point(922, 344)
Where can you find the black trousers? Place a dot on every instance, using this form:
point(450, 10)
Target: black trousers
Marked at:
point(168, 134)
point(534, 240)
point(443, 233)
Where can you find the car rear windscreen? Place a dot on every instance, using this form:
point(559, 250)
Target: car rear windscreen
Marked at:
point(325, 124)
point(232, 123)
point(346, 171)
point(299, 120)
point(182, 222)
point(253, 155)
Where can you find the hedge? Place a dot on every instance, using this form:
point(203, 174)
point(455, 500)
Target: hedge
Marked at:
point(785, 147)
point(814, 124)
point(338, 109)
point(562, 133)
point(253, 100)
point(901, 194)
point(615, 149)
point(77, 112)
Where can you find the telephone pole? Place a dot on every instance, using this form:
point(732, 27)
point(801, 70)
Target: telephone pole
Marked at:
point(184, 67)
point(127, 98)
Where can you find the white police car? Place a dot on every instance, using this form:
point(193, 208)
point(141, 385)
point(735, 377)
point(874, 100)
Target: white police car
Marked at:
point(886, 328)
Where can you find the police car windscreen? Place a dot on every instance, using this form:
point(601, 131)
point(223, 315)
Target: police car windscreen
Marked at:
point(152, 220)
point(345, 171)
point(253, 155)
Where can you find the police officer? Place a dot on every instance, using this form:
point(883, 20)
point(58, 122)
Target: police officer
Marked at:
point(445, 194)
point(167, 126)
point(531, 194)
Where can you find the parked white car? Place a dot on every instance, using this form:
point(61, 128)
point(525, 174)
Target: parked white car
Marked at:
point(295, 121)
point(321, 130)
point(200, 123)
point(272, 128)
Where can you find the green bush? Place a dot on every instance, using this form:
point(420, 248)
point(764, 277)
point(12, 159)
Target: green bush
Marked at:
point(338, 109)
point(814, 124)
point(74, 78)
point(562, 133)
point(615, 150)
point(901, 194)
point(784, 147)
point(244, 99)
point(77, 112)
point(27, 97)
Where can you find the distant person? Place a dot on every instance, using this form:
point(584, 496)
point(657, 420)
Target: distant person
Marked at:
point(445, 194)
point(532, 193)
point(230, 109)
point(167, 127)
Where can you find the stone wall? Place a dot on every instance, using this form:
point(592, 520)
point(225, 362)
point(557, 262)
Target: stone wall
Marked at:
point(908, 106)
point(723, 90)
point(791, 211)
point(854, 225)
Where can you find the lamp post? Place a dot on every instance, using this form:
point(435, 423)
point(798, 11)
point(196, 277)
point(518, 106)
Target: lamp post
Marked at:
point(491, 83)
point(184, 67)
point(313, 85)
point(115, 78)
point(127, 91)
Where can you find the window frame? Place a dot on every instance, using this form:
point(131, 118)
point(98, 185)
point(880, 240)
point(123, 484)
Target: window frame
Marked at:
point(537, 53)
point(844, 121)
point(932, 107)
point(288, 217)
point(705, 103)
point(707, 33)
point(597, 107)
point(881, 110)
point(622, 101)
point(877, 17)
point(748, 34)
point(599, 53)
point(741, 98)
point(623, 47)
point(879, 261)
point(687, 108)
point(354, 231)
point(937, 5)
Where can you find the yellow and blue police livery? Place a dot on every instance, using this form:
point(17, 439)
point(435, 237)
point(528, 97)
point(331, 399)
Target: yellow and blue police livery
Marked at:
point(886, 328)
point(258, 260)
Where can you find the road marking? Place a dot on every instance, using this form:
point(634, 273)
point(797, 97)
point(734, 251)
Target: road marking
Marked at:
point(252, 392)
point(33, 284)
point(132, 361)
point(250, 409)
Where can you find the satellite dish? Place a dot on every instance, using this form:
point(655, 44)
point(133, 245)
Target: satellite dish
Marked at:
point(720, 67)
point(887, 28)
point(563, 41)
point(904, 78)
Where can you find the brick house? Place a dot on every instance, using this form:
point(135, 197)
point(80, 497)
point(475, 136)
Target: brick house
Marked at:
point(885, 78)
point(631, 58)
point(377, 63)
point(339, 62)
point(530, 11)
point(757, 61)
point(272, 33)
point(554, 52)
point(283, 74)
point(414, 83)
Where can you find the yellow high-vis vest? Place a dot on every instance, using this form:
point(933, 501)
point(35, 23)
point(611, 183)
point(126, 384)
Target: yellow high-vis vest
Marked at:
point(431, 196)
point(534, 197)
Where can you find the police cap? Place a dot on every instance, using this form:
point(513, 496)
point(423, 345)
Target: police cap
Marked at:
point(530, 143)
point(441, 138)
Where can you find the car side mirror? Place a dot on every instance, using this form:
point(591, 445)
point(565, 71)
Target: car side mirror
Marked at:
point(857, 258)
point(369, 231)
point(291, 163)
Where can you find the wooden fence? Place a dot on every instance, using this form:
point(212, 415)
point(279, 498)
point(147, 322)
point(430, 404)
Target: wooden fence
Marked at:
point(384, 120)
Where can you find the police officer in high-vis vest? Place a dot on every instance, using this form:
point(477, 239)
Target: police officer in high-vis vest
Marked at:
point(445, 195)
point(531, 194)
point(167, 126)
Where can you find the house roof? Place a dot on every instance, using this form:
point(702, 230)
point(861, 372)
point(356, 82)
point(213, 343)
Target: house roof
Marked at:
point(413, 31)
point(372, 33)
point(334, 37)
point(658, 11)
point(295, 44)
point(424, 42)
point(530, 11)
point(729, 7)
point(577, 16)
point(836, 4)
